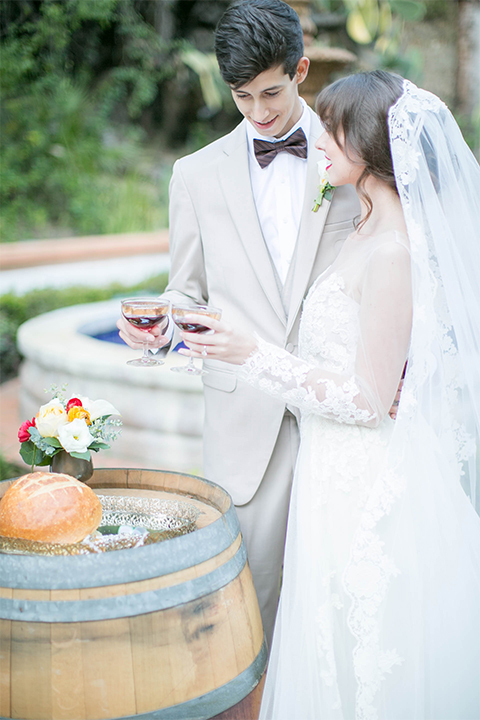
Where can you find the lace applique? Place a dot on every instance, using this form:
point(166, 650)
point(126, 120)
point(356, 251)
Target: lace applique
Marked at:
point(328, 340)
point(366, 579)
point(278, 373)
point(329, 328)
point(403, 118)
point(345, 471)
point(325, 640)
point(339, 402)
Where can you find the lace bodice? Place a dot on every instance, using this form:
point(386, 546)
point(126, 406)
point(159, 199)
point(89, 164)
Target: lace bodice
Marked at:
point(329, 331)
point(353, 338)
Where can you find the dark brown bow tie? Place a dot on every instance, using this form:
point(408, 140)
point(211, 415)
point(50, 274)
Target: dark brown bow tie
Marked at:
point(295, 144)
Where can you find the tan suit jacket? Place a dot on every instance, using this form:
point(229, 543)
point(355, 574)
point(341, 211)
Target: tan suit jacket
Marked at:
point(218, 255)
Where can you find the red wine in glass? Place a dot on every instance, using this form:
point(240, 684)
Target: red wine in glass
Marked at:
point(192, 327)
point(145, 322)
point(179, 312)
point(146, 313)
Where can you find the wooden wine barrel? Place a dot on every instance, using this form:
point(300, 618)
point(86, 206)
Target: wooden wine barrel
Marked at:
point(170, 631)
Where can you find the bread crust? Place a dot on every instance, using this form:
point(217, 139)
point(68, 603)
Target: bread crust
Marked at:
point(49, 507)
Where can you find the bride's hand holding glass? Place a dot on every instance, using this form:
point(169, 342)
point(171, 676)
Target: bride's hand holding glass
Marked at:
point(225, 343)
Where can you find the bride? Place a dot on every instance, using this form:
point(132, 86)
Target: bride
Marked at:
point(379, 615)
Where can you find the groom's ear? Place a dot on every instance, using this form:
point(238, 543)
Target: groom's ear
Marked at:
point(302, 70)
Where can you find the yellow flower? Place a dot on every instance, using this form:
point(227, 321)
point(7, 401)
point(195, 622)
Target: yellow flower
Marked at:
point(78, 412)
point(50, 417)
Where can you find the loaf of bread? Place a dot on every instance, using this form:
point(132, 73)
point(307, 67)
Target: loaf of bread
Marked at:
point(49, 507)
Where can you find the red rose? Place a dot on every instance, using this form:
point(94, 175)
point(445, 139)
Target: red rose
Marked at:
point(23, 434)
point(73, 402)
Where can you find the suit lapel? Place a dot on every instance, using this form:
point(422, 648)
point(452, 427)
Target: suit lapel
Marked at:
point(234, 176)
point(311, 228)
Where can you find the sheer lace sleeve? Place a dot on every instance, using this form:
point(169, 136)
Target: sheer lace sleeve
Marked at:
point(364, 395)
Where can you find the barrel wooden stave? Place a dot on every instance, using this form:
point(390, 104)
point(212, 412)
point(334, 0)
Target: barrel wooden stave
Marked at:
point(5, 664)
point(246, 709)
point(147, 663)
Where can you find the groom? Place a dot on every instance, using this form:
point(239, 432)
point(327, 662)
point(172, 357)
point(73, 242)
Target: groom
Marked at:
point(244, 238)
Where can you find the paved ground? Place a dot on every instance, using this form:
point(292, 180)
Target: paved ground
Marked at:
point(10, 421)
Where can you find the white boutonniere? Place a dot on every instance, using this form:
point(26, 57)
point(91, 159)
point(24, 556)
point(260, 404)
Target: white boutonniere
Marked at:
point(325, 190)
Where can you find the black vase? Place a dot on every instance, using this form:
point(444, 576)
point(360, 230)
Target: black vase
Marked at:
point(78, 468)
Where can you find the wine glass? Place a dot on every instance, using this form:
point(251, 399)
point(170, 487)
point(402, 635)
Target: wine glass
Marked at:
point(179, 311)
point(146, 313)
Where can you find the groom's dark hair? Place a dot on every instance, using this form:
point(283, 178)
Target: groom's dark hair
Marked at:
point(256, 35)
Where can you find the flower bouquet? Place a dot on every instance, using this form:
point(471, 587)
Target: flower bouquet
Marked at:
point(75, 426)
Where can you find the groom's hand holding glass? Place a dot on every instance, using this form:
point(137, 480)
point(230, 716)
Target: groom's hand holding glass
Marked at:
point(156, 337)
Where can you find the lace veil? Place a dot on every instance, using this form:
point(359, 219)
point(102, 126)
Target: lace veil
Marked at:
point(438, 180)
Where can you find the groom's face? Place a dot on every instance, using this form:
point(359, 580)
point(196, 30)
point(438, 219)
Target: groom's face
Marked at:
point(270, 101)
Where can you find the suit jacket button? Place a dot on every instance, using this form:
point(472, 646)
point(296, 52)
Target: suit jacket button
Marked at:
point(289, 347)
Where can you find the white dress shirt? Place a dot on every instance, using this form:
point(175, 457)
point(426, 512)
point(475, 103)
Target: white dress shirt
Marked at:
point(278, 191)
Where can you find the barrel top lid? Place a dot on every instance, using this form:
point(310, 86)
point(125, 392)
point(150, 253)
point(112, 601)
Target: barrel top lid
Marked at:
point(217, 527)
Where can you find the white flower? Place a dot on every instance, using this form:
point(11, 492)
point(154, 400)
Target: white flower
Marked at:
point(325, 190)
point(50, 418)
point(322, 170)
point(75, 436)
point(98, 408)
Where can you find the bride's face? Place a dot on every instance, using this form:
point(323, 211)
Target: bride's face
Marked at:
point(342, 170)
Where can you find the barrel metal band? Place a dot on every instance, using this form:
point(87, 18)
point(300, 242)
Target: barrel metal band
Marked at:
point(120, 566)
point(217, 701)
point(212, 703)
point(61, 611)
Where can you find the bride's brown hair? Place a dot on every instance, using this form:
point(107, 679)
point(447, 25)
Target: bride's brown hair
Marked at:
point(354, 111)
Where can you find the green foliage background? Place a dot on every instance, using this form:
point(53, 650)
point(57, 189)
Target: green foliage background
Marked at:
point(74, 75)
point(85, 84)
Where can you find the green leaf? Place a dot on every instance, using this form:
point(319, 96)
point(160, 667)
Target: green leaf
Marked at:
point(98, 445)
point(81, 456)
point(54, 442)
point(371, 13)
point(357, 28)
point(411, 10)
point(31, 455)
point(206, 67)
point(108, 529)
point(34, 434)
point(385, 22)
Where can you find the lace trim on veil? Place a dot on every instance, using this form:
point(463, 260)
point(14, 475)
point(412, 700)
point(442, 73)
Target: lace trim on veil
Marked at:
point(432, 316)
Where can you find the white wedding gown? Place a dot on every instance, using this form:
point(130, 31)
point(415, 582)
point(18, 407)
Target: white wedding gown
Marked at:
point(379, 609)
